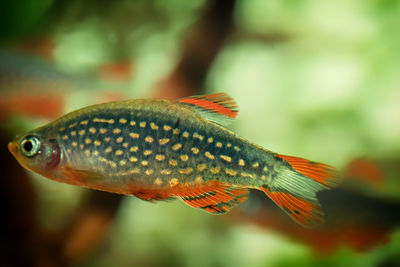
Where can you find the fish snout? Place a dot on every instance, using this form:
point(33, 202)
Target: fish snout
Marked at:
point(12, 147)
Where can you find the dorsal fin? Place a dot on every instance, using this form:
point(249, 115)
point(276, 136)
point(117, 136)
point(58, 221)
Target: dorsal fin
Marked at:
point(219, 108)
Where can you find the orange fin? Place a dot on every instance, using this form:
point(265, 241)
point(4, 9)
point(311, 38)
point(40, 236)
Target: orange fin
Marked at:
point(152, 195)
point(219, 108)
point(87, 179)
point(305, 213)
point(80, 177)
point(295, 186)
point(216, 198)
point(319, 172)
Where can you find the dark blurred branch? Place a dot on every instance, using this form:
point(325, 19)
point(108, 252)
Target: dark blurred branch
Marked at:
point(201, 46)
point(204, 43)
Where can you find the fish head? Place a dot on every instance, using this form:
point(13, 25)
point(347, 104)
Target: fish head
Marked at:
point(38, 152)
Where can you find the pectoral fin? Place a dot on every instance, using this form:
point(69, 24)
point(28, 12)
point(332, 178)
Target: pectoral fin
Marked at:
point(81, 177)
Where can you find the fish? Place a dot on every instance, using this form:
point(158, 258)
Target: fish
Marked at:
point(367, 172)
point(31, 86)
point(158, 149)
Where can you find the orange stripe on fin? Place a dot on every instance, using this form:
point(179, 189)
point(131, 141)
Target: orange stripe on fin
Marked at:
point(305, 213)
point(214, 197)
point(319, 172)
point(219, 103)
point(219, 108)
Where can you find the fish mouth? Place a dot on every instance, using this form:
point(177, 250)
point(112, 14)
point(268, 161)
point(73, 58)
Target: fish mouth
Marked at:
point(12, 148)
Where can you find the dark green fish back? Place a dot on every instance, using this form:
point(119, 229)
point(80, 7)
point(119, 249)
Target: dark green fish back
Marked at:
point(159, 148)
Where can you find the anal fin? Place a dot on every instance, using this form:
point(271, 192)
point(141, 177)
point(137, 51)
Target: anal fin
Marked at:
point(216, 197)
point(152, 195)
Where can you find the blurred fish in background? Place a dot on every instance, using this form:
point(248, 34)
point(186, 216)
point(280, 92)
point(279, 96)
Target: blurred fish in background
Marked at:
point(32, 86)
point(314, 79)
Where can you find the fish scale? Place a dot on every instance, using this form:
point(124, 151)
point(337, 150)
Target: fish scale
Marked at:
point(158, 149)
point(193, 138)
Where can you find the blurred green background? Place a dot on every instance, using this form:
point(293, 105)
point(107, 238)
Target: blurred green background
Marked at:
point(315, 79)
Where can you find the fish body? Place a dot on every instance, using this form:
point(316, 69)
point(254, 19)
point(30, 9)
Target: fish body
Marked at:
point(160, 149)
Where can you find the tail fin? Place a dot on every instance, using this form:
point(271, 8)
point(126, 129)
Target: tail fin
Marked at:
point(295, 187)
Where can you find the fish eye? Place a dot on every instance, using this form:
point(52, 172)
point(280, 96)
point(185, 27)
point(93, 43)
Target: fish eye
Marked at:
point(30, 146)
